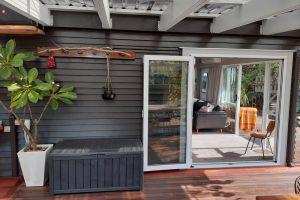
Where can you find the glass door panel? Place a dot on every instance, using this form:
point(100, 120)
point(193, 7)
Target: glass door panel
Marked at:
point(229, 96)
point(167, 111)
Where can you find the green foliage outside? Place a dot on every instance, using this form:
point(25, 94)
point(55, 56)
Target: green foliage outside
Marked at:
point(25, 88)
point(249, 96)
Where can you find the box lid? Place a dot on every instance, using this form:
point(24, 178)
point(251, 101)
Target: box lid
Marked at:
point(77, 147)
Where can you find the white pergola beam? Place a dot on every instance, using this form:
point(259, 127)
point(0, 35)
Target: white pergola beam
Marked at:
point(102, 7)
point(32, 9)
point(227, 1)
point(254, 10)
point(177, 11)
point(126, 11)
point(283, 23)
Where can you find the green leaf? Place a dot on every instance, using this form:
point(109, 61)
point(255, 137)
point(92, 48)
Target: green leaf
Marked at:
point(49, 77)
point(68, 95)
point(16, 96)
point(17, 74)
point(32, 75)
point(43, 87)
point(17, 60)
point(66, 101)
point(33, 96)
point(14, 87)
point(5, 72)
point(67, 88)
point(14, 104)
point(22, 101)
point(5, 84)
point(23, 72)
point(29, 56)
point(10, 47)
point(54, 104)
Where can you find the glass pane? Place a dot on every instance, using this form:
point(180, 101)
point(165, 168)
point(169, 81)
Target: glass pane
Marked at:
point(229, 96)
point(229, 93)
point(167, 120)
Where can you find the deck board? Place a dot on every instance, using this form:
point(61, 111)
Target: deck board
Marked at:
point(193, 184)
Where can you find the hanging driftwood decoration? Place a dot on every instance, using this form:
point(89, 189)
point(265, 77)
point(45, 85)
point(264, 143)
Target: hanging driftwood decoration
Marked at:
point(86, 52)
point(108, 93)
point(20, 30)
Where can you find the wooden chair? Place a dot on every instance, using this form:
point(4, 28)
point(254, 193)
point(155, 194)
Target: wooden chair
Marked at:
point(297, 185)
point(262, 136)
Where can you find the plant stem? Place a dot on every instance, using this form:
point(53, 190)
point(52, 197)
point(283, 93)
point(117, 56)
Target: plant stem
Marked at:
point(20, 120)
point(44, 110)
point(30, 112)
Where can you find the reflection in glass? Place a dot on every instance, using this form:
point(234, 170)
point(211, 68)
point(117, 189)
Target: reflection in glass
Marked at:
point(167, 112)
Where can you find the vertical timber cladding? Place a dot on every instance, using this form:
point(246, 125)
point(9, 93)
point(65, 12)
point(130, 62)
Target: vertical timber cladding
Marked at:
point(90, 116)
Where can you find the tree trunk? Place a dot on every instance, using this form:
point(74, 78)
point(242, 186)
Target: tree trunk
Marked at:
point(34, 136)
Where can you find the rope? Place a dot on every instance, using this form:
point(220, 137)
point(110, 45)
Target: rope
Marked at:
point(108, 79)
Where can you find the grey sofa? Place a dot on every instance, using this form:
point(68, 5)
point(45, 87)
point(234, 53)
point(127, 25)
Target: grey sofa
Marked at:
point(209, 120)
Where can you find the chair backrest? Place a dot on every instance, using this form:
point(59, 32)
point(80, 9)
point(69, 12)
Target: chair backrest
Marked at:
point(270, 128)
point(297, 185)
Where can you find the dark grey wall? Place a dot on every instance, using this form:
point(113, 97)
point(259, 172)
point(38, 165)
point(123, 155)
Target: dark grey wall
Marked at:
point(90, 116)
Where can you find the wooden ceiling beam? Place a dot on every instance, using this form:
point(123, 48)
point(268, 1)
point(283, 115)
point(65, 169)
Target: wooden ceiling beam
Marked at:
point(177, 11)
point(253, 11)
point(32, 9)
point(283, 23)
point(102, 7)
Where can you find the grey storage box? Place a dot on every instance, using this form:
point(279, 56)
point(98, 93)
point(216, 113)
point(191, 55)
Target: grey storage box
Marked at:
point(93, 165)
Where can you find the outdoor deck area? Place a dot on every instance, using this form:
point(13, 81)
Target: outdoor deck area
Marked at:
point(209, 146)
point(193, 184)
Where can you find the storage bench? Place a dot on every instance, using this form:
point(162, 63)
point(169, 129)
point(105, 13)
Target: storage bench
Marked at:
point(93, 165)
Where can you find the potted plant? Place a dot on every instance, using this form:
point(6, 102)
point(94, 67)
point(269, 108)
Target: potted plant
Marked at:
point(108, 93)
point(25, 89)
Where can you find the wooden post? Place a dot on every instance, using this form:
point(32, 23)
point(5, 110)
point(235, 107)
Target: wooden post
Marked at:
point(14, 146)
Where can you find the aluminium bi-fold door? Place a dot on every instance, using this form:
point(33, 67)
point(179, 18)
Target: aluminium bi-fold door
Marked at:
point(167, 113)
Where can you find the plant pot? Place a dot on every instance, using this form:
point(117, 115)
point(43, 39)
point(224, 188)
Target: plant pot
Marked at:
point(34, 165)
point(108, 95)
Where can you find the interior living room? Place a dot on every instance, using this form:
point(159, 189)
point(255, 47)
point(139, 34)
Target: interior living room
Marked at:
point(235, 110)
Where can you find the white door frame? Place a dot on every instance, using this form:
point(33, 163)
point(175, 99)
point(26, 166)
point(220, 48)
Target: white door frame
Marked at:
point(188, 163)
point(286, 77)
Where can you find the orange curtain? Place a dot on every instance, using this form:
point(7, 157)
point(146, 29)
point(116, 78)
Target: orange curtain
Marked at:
point(248, 116)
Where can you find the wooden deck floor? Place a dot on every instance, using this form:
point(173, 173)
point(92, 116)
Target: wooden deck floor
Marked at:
point(194, 184)
point(8, 185)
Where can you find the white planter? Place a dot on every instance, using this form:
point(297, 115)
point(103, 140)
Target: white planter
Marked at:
point(34, 166)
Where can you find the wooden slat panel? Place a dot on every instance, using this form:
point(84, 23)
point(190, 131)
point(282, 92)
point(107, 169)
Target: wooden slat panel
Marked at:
point(94, 173)
point(57, 175)
point(116, 172)
point(108, 172)
point(136, 170)
point(123, 175)
point(72, 174)
point(101, 172)
point(87, 174)
point(129, 171)
point(64, 168)
point(79, 174)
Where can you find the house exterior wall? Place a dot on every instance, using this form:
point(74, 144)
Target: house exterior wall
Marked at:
point(92, 117)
